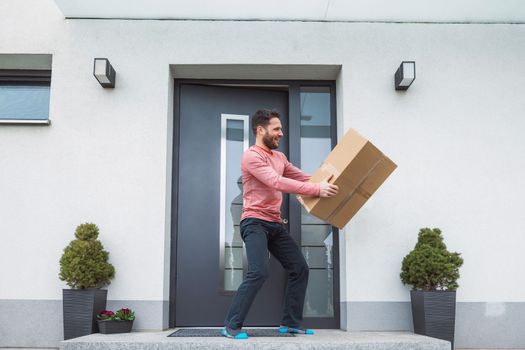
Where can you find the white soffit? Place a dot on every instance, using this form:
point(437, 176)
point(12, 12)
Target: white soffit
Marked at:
point(447, 11)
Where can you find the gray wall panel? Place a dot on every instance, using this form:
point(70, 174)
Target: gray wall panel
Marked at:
point(478, 325)
point(38, 323)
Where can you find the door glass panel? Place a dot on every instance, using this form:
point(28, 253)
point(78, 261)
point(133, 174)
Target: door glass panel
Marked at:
point(234, 141)
point(314, 235)
point(316, 241)
point(319, 295)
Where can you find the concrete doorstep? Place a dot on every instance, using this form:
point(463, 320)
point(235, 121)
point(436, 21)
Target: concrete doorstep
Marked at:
point(323, 339)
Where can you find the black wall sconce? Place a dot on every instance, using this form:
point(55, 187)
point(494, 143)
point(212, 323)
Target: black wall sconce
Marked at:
point(104, 72)
point(405, 75)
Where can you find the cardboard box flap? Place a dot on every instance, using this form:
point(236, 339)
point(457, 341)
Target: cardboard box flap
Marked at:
point(340, 218)
point(356, 187)
point(349, 146)
point(346, 211)
point(362, 165)
point(323, 173)
point(381, 173)
point(358, 167)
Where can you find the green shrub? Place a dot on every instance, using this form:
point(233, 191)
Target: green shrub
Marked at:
point(84, 263)
point(430, 266)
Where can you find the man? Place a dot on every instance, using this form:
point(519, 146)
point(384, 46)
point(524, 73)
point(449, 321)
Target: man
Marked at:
point(265, 174)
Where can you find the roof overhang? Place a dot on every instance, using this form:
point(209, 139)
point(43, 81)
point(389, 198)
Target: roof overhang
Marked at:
point(447, 11)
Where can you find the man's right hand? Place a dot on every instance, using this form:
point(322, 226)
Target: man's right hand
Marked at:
point(326, 189)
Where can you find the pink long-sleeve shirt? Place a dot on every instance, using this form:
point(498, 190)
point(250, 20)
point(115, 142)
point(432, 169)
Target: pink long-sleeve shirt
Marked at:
point(265, 174)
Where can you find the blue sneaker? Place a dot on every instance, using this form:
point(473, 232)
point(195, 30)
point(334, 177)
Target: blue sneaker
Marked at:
point(284, 329)
point(233, 333)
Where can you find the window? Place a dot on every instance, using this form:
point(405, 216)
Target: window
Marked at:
point(24, 92)
point(317, 236)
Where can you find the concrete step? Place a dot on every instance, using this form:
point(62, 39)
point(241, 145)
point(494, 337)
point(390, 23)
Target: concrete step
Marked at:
point(323, 339)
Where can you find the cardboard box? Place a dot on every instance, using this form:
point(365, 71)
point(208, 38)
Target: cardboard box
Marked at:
point(358, 168)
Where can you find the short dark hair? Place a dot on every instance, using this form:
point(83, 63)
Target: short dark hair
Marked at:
point(262, 117)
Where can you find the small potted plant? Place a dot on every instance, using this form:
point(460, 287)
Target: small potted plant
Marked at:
point(85, 268)
point(433, 273)
point(110, 322)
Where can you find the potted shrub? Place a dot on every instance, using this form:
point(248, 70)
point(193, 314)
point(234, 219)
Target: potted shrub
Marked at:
point(85, 268)
point(433, 272)
point(110, 322)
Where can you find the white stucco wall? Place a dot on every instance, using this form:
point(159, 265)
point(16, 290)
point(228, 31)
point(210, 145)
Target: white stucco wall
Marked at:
point(455, 135)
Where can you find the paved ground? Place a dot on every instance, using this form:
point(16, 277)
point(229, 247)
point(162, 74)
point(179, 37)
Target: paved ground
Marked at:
point(57, 348)
point(324, 339)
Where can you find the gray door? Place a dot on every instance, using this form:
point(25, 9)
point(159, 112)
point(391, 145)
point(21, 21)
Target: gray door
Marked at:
point(213, 132)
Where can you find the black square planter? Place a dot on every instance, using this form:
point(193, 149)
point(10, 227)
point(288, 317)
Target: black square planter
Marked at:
point(434, 313)
point(80, 308)
point(114, 326)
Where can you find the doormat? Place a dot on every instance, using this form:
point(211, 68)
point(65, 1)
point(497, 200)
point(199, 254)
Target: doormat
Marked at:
point(216, 332)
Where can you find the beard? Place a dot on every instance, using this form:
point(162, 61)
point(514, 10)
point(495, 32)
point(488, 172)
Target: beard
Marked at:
point(270, 142)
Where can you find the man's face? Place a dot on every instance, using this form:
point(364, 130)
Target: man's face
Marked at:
point(272, 133)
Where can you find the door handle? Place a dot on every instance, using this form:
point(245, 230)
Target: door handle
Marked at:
point(285, 221)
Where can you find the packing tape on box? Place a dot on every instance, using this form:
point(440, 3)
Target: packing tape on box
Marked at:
point(357, 189)
point(329, 168)
point(300, 199)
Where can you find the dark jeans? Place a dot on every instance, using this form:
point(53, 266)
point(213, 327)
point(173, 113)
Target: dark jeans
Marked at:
point(259, 237)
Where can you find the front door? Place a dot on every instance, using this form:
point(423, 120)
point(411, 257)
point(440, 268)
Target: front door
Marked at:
point(214, 132)
point(211, 131)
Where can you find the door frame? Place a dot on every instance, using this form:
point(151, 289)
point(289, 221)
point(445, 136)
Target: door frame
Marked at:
point(294, 138)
